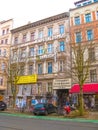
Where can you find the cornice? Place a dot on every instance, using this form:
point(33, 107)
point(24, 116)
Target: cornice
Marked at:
point(41, 22)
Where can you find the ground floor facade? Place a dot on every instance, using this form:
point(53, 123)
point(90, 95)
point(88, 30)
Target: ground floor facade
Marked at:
point(54, 90)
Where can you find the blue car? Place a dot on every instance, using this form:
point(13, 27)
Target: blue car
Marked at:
point(44, 109)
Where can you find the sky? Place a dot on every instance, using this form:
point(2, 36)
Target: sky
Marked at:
point(23, 11)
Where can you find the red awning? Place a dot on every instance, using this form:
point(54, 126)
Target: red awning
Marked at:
point(87, 88)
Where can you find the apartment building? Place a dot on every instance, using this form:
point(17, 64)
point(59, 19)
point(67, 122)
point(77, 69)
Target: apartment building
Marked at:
point(84, 29)
point(42, 52)
point(5, 40)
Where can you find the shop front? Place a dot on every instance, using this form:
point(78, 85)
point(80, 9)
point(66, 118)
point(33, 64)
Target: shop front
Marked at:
point(62, 86)
point(26, 87)
point(89, 90)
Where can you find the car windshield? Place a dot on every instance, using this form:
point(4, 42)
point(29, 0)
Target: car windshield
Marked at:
point(39, 105)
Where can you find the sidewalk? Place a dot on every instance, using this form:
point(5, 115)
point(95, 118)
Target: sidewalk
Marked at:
point(94, 116)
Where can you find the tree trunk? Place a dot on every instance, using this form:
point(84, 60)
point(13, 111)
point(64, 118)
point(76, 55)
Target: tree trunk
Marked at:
point(81, 104)
point(14, 101)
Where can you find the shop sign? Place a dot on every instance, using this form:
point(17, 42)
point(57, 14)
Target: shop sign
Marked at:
point(27, 79)
point(62, 83)
point(46, 56)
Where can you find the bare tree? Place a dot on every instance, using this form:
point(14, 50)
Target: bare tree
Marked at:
point(15, 69)
point(81, 63)
point(13, 77)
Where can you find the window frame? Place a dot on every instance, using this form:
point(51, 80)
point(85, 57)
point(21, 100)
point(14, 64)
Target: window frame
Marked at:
point(49, 87)
point(77, 20)
point(97, 15)
point(32, 36)
point(50, 48)
point(88, 17)
point(30, 69)
point(78, 36)
point(24, 38)
point(23, 53)
point(31, 51)
point(22, 70)
point(61, 29)
point(50, 67)
point(15, 40)
point(93, 75)
point(40, 34)
point(40, 68)
point(40, 49)
point(61, 65)
point(61, 46)
point(50, 31)
point(90, 35)
point(91, 52)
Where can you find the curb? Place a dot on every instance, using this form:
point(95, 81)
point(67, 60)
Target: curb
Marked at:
point(51, 118)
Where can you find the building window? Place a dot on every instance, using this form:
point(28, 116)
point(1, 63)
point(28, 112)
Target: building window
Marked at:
point(49, 89)
point(95, 0)
point(91, 54)
point(40, 35)
point(61, 29)
point(40, 50)
point(50, 33)
point(2, 41)
point(3, 66)
point(6, 41)
point(78, 37)
point(0, 52)
point(30, 69)
point(89, 35)
point(4, 52)
point(78, 5)
point(62, 46)
point(93, 75)
point(7, 31)
point(87, 17)
point(31, 51)
point(97, 15)
point(16, 40)
point(24, 38)
point(49, 67)
point(50, 48)
point(14, 55)
point(3, 32)
point(61, 66)
point(1, 81)
point(32, 36)
point(40, 68)
point(77, 20)
point(86, 3)
point(23, 53)
point(22, 70)
point(39, 88)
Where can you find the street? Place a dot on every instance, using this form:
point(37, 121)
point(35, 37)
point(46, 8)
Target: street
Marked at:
point(8, 122)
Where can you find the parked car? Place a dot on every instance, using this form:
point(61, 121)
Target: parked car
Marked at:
point(3, 106)
point(44, 108)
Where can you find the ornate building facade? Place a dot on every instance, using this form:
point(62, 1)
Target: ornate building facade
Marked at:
point(42, 48)
point(5, 40)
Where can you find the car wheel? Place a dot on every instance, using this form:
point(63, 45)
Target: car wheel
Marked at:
point(34, 113)
point(46, 113)
point(2, 109)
